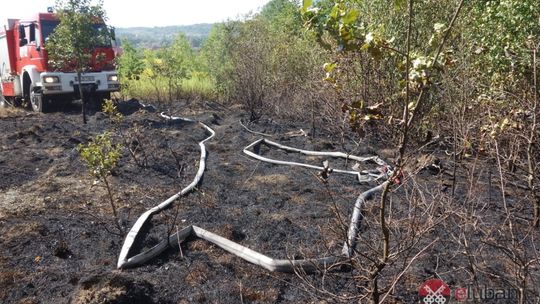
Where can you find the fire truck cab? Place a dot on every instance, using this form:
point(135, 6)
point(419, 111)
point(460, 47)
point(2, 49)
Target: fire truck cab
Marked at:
point(27, 76)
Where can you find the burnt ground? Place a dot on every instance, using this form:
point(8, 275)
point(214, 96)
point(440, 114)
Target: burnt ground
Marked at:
point(59, 243)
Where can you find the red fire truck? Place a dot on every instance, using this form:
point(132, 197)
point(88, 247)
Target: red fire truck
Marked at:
point(26, 76)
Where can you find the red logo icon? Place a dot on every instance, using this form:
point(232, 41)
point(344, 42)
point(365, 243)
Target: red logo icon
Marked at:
point(434, 291)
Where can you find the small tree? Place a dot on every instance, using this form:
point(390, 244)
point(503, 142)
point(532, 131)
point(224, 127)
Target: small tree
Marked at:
point(101, 157)
point(153, 69)
point(70, 45)
point(215, 56)
point(178, 59)
point(130, 67)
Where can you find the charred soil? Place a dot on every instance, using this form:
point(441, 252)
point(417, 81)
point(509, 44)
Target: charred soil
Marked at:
point(57, 233)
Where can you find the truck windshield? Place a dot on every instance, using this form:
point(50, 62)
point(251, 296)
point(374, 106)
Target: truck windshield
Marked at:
point(48, 26)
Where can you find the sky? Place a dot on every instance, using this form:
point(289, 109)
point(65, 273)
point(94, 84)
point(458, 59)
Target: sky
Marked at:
point(149, 13)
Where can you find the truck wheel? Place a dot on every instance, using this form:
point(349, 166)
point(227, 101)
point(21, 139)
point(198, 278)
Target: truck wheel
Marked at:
point(37, 100)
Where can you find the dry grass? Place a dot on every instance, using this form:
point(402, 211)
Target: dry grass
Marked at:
point(276, 217)
point(199, 245)
point(270, 295)
point(107, 294)
point(225, 259)
point(8, 280)
point(31, 300)
point(158, 89)
point(20, 230)
point(10, 112)
point(297, 199)
point(271, 179)
point(198, 275)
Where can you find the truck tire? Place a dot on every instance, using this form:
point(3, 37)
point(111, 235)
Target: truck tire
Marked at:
point(37, 100)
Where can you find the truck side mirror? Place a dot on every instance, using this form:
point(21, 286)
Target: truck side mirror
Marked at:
point(32, 32)
point(22, 32)
point(23, 42)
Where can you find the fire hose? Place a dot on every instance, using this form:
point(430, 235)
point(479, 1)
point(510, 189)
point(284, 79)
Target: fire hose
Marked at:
point(123, 261)
point(279, 265)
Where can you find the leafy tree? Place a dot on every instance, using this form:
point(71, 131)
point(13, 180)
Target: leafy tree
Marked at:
point(501, 33)
point(267, 62)
point(250, 76)
point(153, 69)
point(130, 63)
point(283, 15)
point(215, 56)
point(165, 70)
point(177, 63)
point(70, 44)
point(101, 156)
point(130, 67)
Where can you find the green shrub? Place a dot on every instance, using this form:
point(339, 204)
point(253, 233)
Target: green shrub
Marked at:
point(101, 156)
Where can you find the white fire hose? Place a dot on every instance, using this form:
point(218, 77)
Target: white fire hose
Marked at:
point(279, 265)
point(123, 261)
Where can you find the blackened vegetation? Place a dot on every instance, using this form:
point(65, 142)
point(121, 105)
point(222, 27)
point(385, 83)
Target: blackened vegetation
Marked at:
point(59, 244)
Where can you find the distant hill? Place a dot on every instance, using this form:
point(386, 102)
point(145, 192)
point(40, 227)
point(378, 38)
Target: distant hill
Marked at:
point(156, 37)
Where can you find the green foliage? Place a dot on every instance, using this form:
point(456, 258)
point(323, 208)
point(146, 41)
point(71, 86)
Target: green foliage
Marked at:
point(255, 61)
point(176, 64)
point(169, 73)
point(501, 33)
point(215, 57)
point(179, 58)
point(68, 46)
point(268, 63)
point(365, 40)
point(130, 63)
point(283, 16)
point(130, 66)
point(71, 46)
point(100, 155)
point(109, 108)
